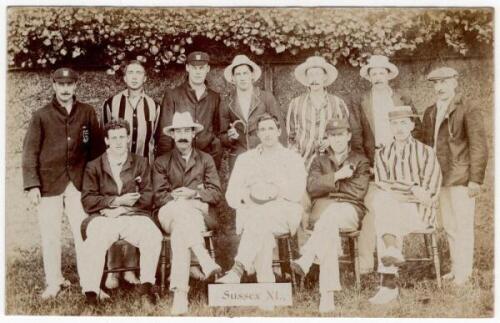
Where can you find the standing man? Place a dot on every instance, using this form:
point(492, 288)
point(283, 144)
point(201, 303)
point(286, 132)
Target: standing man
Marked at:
point(309, 113)
point(408, 180)
point(454, 127)
point(337, 183)
point(266, 188)
point(376, 103)
point(142, 113)
point(61, 138)
point(118, 195)
point(187, 188)
point(195, 97)
point(240, 110)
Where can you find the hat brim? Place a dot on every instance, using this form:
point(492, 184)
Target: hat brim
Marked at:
point(228, 71)
point(403, 116)
point(300, 72)
point(65, 79)
point(198, 63)
point(170, 129)
point(393, 70)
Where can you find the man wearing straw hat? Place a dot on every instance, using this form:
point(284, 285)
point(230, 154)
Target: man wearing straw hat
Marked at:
point(454, 127)
point(376, 103)
point(240, 109)
point(308, 114)
point(408, 180)
point(186, 187)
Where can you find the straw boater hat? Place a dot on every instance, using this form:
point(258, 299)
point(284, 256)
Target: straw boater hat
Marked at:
point(182, 120)
point(316, 61)
point(404, 111)
point(242, 60)
point(379, 61)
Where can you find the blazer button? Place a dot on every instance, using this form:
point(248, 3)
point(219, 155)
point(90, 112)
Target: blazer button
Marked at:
point(69, 138)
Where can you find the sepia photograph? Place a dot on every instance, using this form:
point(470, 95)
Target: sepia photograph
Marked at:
point(214, 161)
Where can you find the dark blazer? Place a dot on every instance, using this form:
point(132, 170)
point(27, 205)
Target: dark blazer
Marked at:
point(461, 143)
point(57, 146)
point(100, 189)
point(324, 189)
point(204, 111)
point(262, 102)
point(365, 104)
point(170, 171)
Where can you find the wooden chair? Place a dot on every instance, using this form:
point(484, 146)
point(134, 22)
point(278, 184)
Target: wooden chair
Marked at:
point(352, 257)
point(432, 252)
point(164, 263)
point(285, 257)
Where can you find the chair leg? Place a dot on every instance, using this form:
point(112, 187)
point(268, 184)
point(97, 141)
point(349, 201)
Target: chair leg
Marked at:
point(428, 245)
point(163, 267)
point(353, 248)
point(288, 264)
point(209, 243)
point(437, 263)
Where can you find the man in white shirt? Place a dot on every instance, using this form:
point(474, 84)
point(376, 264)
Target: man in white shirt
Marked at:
point(266, 188)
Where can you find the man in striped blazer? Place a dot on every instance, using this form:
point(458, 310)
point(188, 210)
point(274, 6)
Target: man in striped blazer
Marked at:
point(408, 179)
point(142, 114)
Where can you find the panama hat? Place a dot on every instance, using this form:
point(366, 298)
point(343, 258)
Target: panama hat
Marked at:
point(316, 61)
point(242, 60)
point(379, 61)
point(182, 120)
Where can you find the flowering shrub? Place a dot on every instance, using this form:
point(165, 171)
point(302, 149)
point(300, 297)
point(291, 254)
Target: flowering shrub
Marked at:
point(159, 37)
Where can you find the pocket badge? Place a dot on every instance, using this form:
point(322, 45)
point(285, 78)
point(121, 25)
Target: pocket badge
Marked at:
point(85, 135)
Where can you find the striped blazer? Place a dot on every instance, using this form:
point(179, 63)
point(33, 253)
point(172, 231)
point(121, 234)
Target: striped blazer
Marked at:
point(143, 119)
point(414, 164)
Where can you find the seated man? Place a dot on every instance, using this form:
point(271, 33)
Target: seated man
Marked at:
point(408, 178)
point(117, 193)
point(266, 188)
point(186, 183)
point(337, 184)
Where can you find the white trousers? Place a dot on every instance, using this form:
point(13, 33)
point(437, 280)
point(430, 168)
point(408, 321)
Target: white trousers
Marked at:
point(368, 236)
point(457, 213)
point(324, 243)
point(260, 224)
point(395, 218)
point(184, 221)
point(102, 232)
point(50, 212)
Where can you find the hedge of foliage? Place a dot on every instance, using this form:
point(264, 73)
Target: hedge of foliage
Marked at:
point(161, 37)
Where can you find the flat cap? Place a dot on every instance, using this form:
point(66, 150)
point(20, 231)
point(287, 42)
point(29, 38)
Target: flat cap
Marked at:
point(335, 124)
point(442, 73)
point(198, 58)
point(404, 111)
point(64, 74)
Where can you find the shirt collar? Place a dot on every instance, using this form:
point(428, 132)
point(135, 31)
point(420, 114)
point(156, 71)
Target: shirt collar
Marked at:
point(385, 90)
point(126, 92)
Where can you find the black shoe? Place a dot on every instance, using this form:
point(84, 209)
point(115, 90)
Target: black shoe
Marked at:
point(91, 298)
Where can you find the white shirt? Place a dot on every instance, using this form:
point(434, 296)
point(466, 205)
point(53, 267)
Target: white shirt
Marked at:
point(244, 102)
point(116, 168)
point(381, 105)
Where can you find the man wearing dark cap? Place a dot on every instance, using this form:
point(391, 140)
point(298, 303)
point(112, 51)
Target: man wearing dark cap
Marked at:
point(61, 138)
point(195, 97)
point(337, 184)
point(454, 127)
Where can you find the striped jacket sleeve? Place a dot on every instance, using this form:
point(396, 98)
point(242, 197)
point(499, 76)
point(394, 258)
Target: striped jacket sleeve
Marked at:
point(431, 173)
point(106, 111)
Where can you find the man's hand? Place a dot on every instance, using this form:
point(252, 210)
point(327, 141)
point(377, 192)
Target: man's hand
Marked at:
point(232, 133)
point(183, 193)
point(422, 195)
point(127, 199)
point(34, 195)
point(114, 212)
point(323, 146)
point(345, 172)
point(474, 189)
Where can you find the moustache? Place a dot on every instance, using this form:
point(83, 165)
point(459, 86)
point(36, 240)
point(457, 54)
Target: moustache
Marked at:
point(65, 93)
point(314, 83)
point(183, 140)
